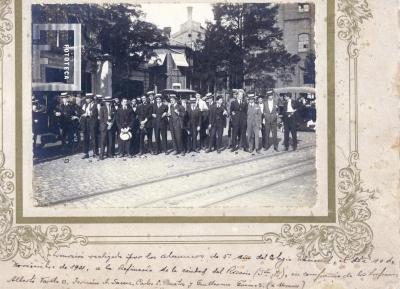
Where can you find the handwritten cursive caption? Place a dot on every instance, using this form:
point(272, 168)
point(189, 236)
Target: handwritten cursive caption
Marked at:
point(199, 269)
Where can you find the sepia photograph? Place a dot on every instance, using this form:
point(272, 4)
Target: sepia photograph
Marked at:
point(170, 106)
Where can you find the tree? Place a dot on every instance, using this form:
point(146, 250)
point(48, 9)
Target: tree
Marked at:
point(114, 29)
point(252, 43)
point(211, 59)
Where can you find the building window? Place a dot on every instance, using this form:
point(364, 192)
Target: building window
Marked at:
point(304, 7)
point(304, 42)
point(189, 35)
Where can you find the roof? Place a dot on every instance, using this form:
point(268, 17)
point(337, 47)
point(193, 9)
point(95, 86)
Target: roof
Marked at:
point(178, 90)
point(301, 89)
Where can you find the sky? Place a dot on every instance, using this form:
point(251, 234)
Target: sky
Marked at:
point(173, 15)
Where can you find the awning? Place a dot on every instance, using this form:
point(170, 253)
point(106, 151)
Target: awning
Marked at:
point(179, 59)
point(157, 59)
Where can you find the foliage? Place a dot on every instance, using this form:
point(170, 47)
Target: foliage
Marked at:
point(246, 44)
point(114, 29)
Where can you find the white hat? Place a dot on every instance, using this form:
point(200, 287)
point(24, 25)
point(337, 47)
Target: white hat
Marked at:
point(125, 135)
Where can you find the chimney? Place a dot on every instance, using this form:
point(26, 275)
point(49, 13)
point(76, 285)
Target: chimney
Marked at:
point(167, 31)
point(189, 12)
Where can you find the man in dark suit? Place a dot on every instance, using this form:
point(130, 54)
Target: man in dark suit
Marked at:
point(89, 123)
point(185, 126)
point(151, 100)
point(204, 119)
point(289, 121)
point(175, 113)
point(98, 100)
point(160, 124)
point(135, 141)
point(254, 119)
point(194, 124)
point(270, 111)
point(238, 112)
point(218, 114)
point(260, 102)
point(124, 119)
point(107, 128)
point(116, 105)
point(144, 112)
point(66, 114)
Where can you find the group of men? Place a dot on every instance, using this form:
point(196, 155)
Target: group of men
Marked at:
point(194, 124)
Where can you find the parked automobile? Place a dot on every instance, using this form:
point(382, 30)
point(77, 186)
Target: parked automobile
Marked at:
point(307, 114)
point(180, 93)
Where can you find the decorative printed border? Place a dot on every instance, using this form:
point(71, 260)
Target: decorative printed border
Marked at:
point(352, 237)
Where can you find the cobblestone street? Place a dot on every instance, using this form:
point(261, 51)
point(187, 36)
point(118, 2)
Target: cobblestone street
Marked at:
point(195, 180)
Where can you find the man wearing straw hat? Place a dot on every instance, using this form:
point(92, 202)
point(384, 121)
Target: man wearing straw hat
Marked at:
point(160, 124)
point(124, 119)
point(175, 113)
point(88, 123)
point(271, 112)
point(67, 114)
point(238, 112)
point(254, 119)
point(107, 128)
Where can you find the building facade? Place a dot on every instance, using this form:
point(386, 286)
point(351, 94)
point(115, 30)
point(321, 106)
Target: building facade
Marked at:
point(190, 32)
point(171, 67)
point(297, 24)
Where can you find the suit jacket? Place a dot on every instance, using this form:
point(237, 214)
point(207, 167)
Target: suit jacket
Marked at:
point(254, 116)
point(124, 118)
point(238, 111)
point(295, 106)
point(194, 116)
point(217, 117)
point(176, 118)
point(160, 122)
point(106, 116)
point(145, 111)
point(271, 116)
point(67, 112)
point(185, 117)
point(135, 121)
point(90, 120)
